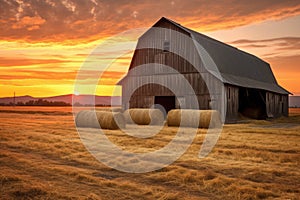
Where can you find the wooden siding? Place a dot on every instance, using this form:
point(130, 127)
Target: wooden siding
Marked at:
point(194, 79)
point(277, 104)
point(150, 49)
point(186, 62)
point(232, 97)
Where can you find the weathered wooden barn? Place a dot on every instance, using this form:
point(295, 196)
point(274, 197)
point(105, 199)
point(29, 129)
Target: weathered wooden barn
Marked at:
point(249, 86)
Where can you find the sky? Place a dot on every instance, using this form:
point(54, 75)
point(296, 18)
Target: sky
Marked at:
point(45, 42)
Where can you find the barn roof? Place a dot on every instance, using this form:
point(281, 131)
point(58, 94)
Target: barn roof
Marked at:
point(236, 67)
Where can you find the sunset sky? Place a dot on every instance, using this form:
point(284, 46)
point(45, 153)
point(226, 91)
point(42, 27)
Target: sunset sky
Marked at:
point(45, 42)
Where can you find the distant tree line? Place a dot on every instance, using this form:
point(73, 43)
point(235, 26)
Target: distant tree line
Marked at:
point(39, 102)
point(98, 105)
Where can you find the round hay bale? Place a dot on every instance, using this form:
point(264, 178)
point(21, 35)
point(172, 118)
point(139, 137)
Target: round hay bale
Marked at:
point(87, 118)
point(110, 120)
point(100, 119)
point(144, 116)
point(79, 119)
point(194, 118)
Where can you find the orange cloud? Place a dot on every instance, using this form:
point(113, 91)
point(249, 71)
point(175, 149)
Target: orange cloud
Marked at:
point(29, 23)
point(9, 62)
point(74, 20)
point(274, 46)
point(230, 16)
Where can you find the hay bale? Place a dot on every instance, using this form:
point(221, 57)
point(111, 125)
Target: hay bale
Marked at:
point(79, 119)
point(194, 118)
point(110, 120)
point(86, 118)
point(144, 116)
point(100, 119)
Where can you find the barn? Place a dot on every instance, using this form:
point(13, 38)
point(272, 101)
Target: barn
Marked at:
point(221, 76)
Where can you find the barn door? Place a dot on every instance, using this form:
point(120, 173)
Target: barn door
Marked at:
point(168, 102)
point(232, 103)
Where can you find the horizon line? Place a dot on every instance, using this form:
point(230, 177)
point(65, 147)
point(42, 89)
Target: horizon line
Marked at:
point(59, 95)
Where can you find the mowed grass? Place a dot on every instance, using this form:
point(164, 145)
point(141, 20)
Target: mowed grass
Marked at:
point(42, 157)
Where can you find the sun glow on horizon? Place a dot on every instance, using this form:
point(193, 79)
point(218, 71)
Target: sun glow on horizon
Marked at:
point(44, 69)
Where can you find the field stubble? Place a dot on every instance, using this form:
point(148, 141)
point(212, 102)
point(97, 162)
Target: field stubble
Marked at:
point(42, 157)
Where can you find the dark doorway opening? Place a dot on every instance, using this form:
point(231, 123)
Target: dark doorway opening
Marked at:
point(252, 103)
point(168, 102)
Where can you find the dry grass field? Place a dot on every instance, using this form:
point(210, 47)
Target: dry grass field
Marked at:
point(42, 157)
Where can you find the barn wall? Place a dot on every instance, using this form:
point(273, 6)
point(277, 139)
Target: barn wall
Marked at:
point(188, 64)
point(277, 104)
point(141, 96)
point(232, 97)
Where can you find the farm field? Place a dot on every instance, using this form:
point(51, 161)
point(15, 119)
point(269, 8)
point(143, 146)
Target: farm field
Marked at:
point(42, 157)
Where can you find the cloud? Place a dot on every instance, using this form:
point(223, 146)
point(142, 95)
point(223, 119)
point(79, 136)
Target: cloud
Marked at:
point(34, 76)
point(285, 39)
point(69, 5)
point(254, 46)
point(10, 62)
point(76, 19)
point(274, 46)
point(29, 23)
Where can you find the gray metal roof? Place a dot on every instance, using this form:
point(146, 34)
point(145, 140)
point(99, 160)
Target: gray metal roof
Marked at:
point(235, 67)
